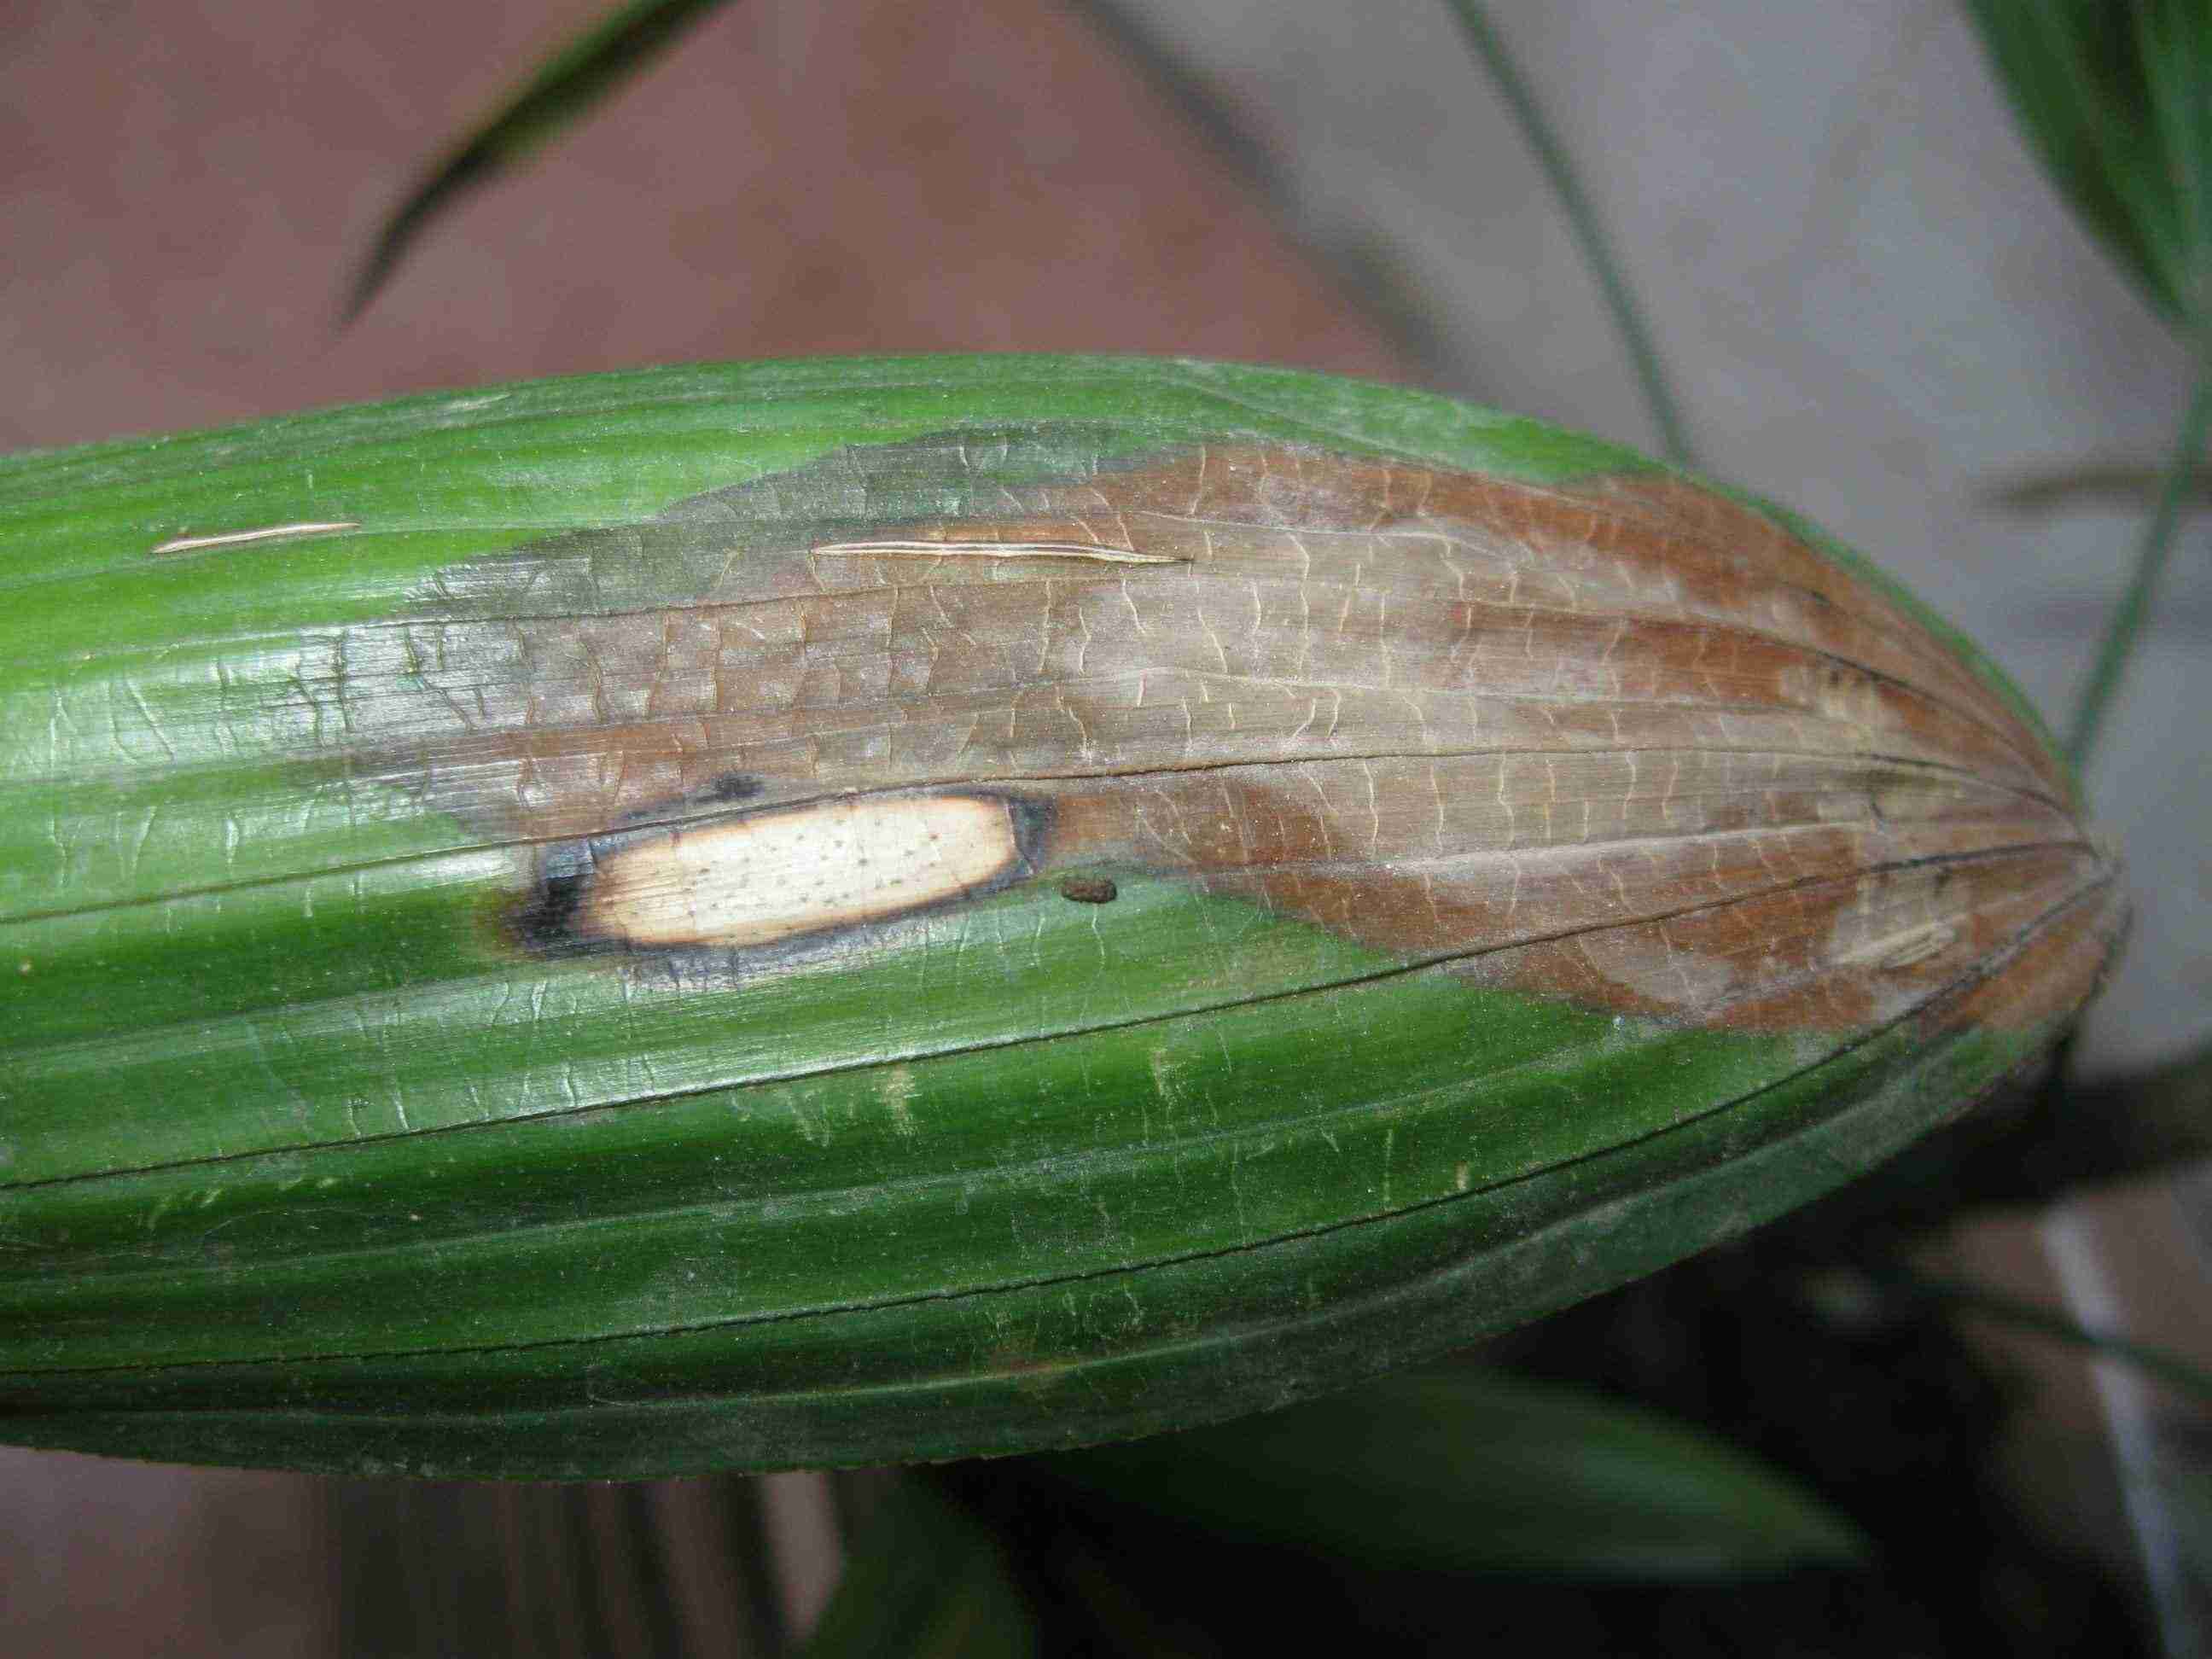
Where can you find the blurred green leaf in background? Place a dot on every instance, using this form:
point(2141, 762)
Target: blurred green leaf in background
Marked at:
point(2116, 98)
point(923, 1578)
point(1480, 1472)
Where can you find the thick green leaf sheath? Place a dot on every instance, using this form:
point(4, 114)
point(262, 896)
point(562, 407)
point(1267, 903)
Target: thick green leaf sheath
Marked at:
point(835, 913)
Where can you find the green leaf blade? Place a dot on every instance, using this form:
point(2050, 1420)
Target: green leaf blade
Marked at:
point(2112, 99)
point(352, 1117)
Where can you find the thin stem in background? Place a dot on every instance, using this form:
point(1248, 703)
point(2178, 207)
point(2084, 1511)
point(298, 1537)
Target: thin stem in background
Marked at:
point(2127, 623)
point(566, 86)
point(2116, 485)
point(1597, 251)
point(2166, 1366)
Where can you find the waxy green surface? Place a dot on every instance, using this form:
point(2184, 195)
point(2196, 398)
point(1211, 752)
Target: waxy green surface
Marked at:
point(310, 1155)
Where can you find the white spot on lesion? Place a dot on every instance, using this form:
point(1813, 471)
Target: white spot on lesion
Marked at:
point(239, 537)
point(776, 875)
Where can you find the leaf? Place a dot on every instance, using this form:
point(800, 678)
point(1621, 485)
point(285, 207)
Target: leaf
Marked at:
point(923, 1578)
point(1480, 1472)
point(2117, 99)
point(364, 1105)
point(567, 87)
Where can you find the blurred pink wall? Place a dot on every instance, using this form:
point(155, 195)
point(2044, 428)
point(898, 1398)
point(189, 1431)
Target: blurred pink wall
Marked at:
point(187, 188)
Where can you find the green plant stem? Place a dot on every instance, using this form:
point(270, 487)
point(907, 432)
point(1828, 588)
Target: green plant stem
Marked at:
point(2127, 623)
point(1597, 250)
point(2157, 1362)
point(2109, 485)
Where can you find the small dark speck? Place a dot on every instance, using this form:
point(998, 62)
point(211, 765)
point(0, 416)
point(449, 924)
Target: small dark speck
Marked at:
point(1090, 889)
point(734, 786)
point(552, 913)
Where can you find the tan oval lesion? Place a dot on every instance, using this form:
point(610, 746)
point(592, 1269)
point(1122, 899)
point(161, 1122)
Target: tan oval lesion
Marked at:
point(768, 877)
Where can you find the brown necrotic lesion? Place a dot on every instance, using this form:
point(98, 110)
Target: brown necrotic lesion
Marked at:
point(1442, 713)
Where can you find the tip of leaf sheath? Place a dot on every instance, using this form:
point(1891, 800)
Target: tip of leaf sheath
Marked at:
point(562, 89)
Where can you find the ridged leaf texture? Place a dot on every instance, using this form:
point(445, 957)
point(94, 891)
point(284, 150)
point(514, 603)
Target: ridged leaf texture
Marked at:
point(835, 913)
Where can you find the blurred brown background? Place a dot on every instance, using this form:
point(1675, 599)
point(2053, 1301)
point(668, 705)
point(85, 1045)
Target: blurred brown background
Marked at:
point(188, 187)
point(1873, 306)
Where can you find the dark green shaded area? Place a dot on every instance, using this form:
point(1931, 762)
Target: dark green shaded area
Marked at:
point(923, 1578)
point(1095, 1356)
point(1477, 1471)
